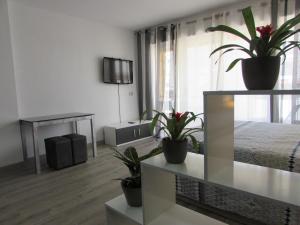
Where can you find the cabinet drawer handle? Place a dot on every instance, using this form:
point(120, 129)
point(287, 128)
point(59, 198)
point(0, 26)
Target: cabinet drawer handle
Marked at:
point(139, 131)
point(134, 134)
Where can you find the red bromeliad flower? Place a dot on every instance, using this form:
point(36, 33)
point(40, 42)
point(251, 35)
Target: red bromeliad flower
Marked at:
point(265, 31)
point(178, 116)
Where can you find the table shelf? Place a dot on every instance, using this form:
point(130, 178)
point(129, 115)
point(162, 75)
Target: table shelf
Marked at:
point(254, 92)
point(178, 215)
point(118, 211)
point(261, 181)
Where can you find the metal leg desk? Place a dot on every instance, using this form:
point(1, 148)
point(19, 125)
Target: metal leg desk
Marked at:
point(35, 122)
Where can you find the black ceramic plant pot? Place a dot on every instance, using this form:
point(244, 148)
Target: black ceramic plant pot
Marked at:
point(174, 151)
point(261, 73)
point(133, 195)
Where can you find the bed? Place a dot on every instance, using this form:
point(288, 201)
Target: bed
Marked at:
point(265, 144)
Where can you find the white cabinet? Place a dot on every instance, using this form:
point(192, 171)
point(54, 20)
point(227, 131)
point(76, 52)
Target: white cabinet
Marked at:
point(124, 133)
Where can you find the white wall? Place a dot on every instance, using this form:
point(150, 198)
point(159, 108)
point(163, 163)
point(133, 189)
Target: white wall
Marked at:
point(10, 148)
point(58, 70)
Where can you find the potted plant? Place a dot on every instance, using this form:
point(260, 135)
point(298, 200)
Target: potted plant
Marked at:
point(261, 69)
point(174, 145)
point(131, 185)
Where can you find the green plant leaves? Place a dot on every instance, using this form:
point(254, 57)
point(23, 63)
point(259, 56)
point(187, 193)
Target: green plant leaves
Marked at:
point(290, 46)
point(284, 32)
point(192, 118)
point(132, 182)
point(259, 46)
point(153, 152)
point(194, 141)
point(228, 29)
point(224, 47)
point(172, 126)
point(154, 122)
point(281, 52)
point(131, 159)
point(131, 154)
point(233, 63)
point(249, 21)
point(287, 26)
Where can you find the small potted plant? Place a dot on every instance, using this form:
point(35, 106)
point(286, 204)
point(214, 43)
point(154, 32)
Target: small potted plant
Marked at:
point(260, 71)
point(131, 185)
point(174, 145)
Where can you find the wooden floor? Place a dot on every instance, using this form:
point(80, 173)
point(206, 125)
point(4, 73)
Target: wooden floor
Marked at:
point(71, 196)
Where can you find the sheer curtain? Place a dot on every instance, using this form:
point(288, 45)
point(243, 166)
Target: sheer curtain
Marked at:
point(175, 68)
point(287, 106)
point(156, 67)
point(196, 72)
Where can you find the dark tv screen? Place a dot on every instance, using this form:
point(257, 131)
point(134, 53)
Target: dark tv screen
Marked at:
point(117, 71)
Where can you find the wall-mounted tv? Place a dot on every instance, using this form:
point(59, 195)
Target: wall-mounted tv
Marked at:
point(117, 71)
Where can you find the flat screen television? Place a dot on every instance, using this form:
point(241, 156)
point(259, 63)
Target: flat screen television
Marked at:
point(117, 71)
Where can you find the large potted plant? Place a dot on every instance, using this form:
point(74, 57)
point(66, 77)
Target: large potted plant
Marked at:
point(131, 185)
point(174, 145)
point(260, 71)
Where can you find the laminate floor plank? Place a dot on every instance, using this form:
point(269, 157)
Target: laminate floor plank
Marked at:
point(72, 196)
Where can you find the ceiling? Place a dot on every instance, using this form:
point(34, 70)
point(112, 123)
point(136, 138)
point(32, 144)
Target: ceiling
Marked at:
point(129, 14)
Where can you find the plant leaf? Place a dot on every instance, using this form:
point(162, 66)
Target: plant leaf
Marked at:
point(233, 63)
point(228, 29)
point(290, 47)
point(127, 161)
point(246, 51)
point(195, 142)
point(165, 130)
point(237, 49)
point(281, 52)
point(281, 37)
point(131, 154)
point(289, 34)
point(153, 152)
point(161, 114)
point(284, 28)
point(224, 47)
point(223, 53)
point(154, 122)
point(143, 115)
point(192, 118)
point(189, 131)
point(249, 21)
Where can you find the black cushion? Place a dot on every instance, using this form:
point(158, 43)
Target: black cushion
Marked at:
point(79, 147)
point(58, 152)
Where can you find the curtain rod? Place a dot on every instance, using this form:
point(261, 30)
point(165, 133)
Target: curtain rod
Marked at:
point(192, 17)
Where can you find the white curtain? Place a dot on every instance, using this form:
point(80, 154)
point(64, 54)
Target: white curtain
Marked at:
point(162, 67)
point(196, 72)
point(156, 68)
point(175, 67)
point(287, 106)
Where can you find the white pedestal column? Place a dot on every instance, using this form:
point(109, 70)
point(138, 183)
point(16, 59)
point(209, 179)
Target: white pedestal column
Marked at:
point(219, 138)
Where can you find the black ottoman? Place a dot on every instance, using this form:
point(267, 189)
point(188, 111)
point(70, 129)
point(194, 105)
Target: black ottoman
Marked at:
point(79, 147)
point(58, 152)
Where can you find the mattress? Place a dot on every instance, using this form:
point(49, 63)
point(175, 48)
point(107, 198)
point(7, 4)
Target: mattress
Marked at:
point(266, 144)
